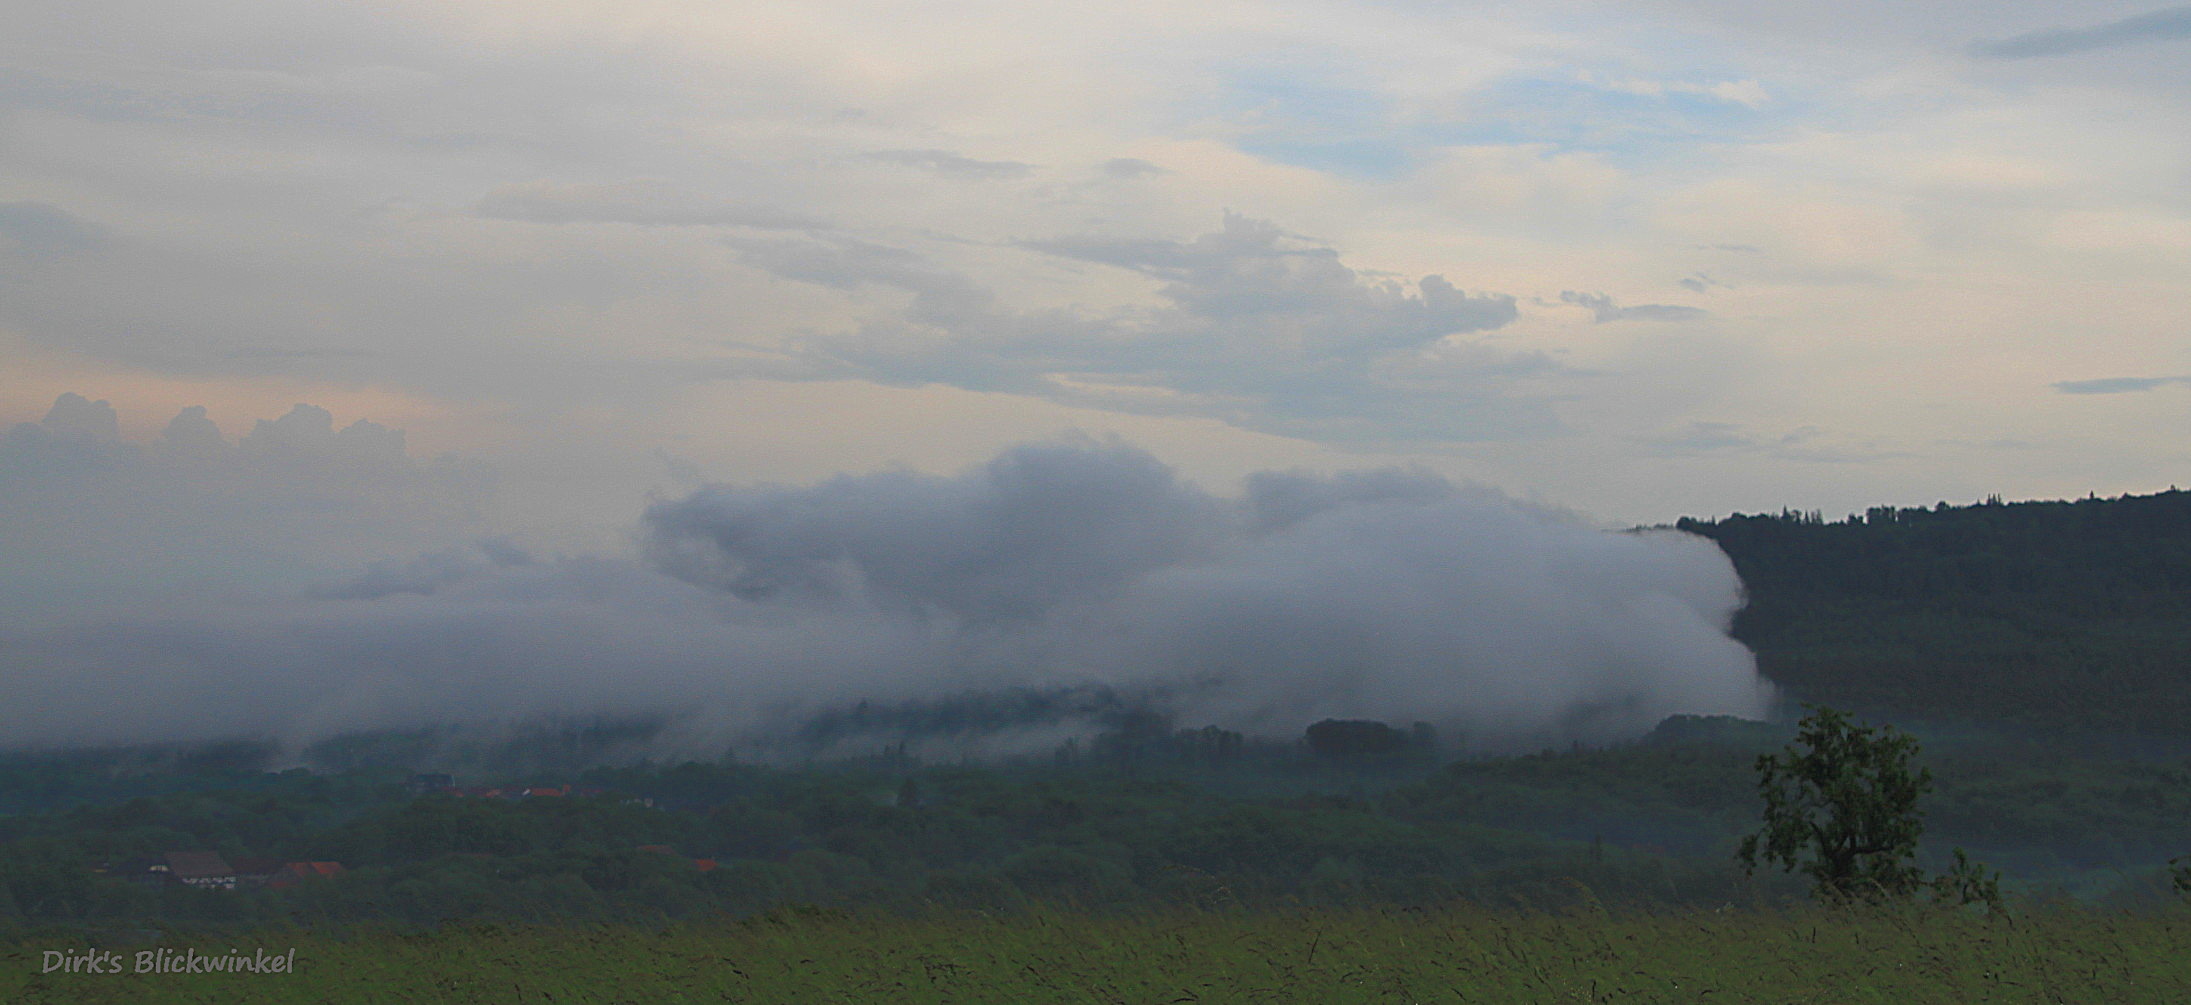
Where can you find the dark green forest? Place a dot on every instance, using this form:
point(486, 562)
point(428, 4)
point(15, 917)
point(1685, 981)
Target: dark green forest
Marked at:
point(2061, 617)
point(2038, 650)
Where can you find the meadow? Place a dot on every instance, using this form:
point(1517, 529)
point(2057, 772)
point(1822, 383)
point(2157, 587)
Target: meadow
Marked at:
point(1902, 954)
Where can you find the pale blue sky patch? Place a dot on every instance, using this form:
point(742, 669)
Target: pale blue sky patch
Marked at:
point(1371, 159)
point(2116, 385)
point(1307, 118)
point(1358, 133)
point(1629, 120)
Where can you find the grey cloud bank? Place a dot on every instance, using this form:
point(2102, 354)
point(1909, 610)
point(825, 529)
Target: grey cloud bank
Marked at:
point(90, 521)
point(1388, 594)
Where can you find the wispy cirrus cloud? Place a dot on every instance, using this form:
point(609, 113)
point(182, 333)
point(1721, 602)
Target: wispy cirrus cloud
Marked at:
point(951, 165)
point(1128, 168)
point(1256, 327)
point(1603, 310)
point(1807, 444)
point(2116, 385)
point(42, 229)
point(646, 203)
point(2167, 24)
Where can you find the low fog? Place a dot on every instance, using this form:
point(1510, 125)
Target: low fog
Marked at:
point(744, 611)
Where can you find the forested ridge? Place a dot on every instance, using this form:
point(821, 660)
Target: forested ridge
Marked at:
point(2064, 617)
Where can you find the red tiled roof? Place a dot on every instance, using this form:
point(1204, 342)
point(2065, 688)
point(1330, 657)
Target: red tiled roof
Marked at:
point(187, 865)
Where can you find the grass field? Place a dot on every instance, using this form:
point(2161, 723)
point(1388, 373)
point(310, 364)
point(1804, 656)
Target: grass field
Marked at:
point(1458, 955)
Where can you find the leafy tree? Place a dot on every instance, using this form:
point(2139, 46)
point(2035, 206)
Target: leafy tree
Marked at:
point(2179, 874)
point(1968, 883)
point(1841, 808)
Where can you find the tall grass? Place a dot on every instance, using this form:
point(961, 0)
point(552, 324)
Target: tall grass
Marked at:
point(1460, 954)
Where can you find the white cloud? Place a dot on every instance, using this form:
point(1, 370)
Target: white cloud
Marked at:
point(1389, 594)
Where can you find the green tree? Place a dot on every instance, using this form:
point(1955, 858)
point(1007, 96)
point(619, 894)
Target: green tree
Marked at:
point(1841, 808)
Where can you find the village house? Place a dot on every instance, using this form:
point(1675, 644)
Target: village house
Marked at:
point(298, 872)
point(255, 871)
point(204, 870)
point(142, 871)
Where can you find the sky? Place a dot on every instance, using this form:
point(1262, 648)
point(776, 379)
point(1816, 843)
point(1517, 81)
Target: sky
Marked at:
point(1691, 258)
point(292, 291)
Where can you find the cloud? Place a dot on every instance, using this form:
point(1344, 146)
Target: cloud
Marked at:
point(1129, 168)
point(75, 417)
point(426, 573)
point(1257, 328)
point(42, 229)
point(2116, 385)
point(1604, 310)
point(1388, 594)
point(1806, 444)
point(1748, 93)
point(521, 217)
point(88, 518)
point(642, 203)
point(951, 165)
point(1034, 530)
point(847, 263)
point(2162, 25)
point(270, 352)
point(76, 435)
point(1252, 269)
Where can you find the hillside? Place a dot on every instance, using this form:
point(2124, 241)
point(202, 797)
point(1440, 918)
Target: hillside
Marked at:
point(2058, 616)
